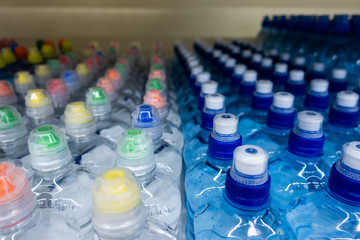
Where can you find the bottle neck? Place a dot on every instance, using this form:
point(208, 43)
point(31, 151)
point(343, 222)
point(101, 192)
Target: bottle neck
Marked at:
point(24, 225)
point(83, 138)
point(147, 177)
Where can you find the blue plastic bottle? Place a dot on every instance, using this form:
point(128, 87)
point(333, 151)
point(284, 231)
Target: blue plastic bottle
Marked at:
point(243, 211)
point(266, 69)
point(261, 101)
point(255, 61)
point(245, 57)
point(280, 118)
point(280, 76)
point(317, 98)
point(299, 63)
point(317, 71)
point(205, 180)
point(296, 86)
point(343, 119)
point(237, 76)
point(195, 148)
point(332, 214)
point(338, 81)
point(301, 168)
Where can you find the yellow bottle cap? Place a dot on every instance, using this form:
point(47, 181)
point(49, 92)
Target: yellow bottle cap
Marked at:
point(42, 70)
point(66, 46)
point(23, 78)
point(2, 63)
point(78, 112)
point(36, 98)
point(82, 69)
point(48, 51)
point(34, 57)
point(8, 56)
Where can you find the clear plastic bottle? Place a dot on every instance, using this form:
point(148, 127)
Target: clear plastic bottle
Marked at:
point(118, 211)
point(72, 82)
point(317, 71)
point(331, 214)
point(280, 118)
point(39, 109)
point(57, 183)
point(195, 148)
point(280, 76)
point(87, 148)
point(342, 123)
point(171, 133)
point(8, 96)
point(42, 75)
point(261, 101)
point(296, 86)
point(84, 75)
point(317, 98)
point(301, 169)
point(59, 94)
point(107, 124)
point(23, 82)
point(168, 159)
point(21, 219)
point(55, 68)
point(266, 69)
point(205, 180)
point(160, 195)
point(243, 211)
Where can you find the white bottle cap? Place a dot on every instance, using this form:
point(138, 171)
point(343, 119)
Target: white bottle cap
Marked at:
point(281, 67)
point(196, 70)
point(203, 77)
point(216, 53)
point(319, 85)
point(285, 56)
point(283, 100)
point(347, 99)
point(250, 159)
point(273, 52)
point(240, 69)
point(296, 75)
point(266, 62)
point(264, 86)
point(235, 50)
point(250, 76)
point(226, 123)
point(214, 101)
point(309, 120)
point(318, 67)
point(186, 53)
point(246, 53)
point(193, 63)
point(256, 57)
point(300, 61)
point(224, 57)
point(351, 155)
point(191, 57)
point(339, 73)
point(230, 63)
point(209, 87)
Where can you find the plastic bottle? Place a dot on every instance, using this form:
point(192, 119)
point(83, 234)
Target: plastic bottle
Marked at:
point(59, 94)
point(84, 75)
point(343, 119)
point(317, 98)
point(21, 219)
point(252, 121)
point(195, 148)
point(237, 75)
point(243, 211)
point(118, 211)
point(301, 169)
point(8, 96)
point(72, 82)
point(42, 75)
point(338, 81)
point(160, 195)
point(296, 86)
point(280, 76)
point(87, 148)
point(55, 68)
point(168, 159)
point(59, 184)
point(280, 118)
point(24, 82)
point(317, 71)
point(205, 180)
point(331, 213)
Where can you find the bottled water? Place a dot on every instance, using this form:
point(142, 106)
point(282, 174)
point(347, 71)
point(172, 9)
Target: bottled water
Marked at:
point(317, 71)
point(21, 219)
point(266, 69)
point(107, 125)
point(280, 118)
point(338, 81)
point(243, 209)
point(168, 159)
point(42, 75)
point(280, 76)
point(55, 68)
point(73, 84)
point(24, 82)
point(59, 184)
point(39, 109)
point(301, 169)
point(87, 148)
point(200, 79)
point(331, 213)
point(205, 180)
point(343, 119)
point(83, 74)
point(59, 94)
point(8, 96)
point(255, 119)
point(296, 86)
point(160, 195)
point(299, 63)
point(195, 148)
point(118, 211)
point(237, 75)
point(242, 103)
point(255, 63)
point(317, 98)
point(170, 132)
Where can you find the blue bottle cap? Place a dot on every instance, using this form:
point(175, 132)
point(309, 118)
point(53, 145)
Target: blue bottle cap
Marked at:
point(214, 104)
point(345, 112)
point(147, 117)
point(262, 97)
point(281, 114)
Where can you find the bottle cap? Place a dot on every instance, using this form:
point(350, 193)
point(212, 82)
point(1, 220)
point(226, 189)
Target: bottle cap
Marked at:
point(147, 117)
point(66, 46)
point(203, 77)
point(54, 66)
point(155, 84)
point(48, 51)
point(240, 69)
point(281, 68)
point(339, 73)
point(309, 121)
point(157, 74)
point(319, 85)
point(157, 99)
point(347, 99)
point(256, 57)
point(250, 160)
point(58, 92)
point(42, 70)
point(8, 56)
point(2, 63)
point(297, 75)
point(283, 100)
point(230, 63)
point(114, 75)
point(250, 76)
point(24, 81)
point(17, 201)
point(214, 101)
point(11, 124)
point(285, 56)
point(196, 70)
point(351, 155)
point(7, 94)
point(48, 149)
point(264, 86)
point(82, 69)
point(246, 53)
point(21, 53)
point(79, 119)
point(318, 67)
point(209, 87)
point(223, 58)
point(109, 88)
point(38, 104)
point(299, 61)
point(34, 57)
point(226, 123)
point(266, 62)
